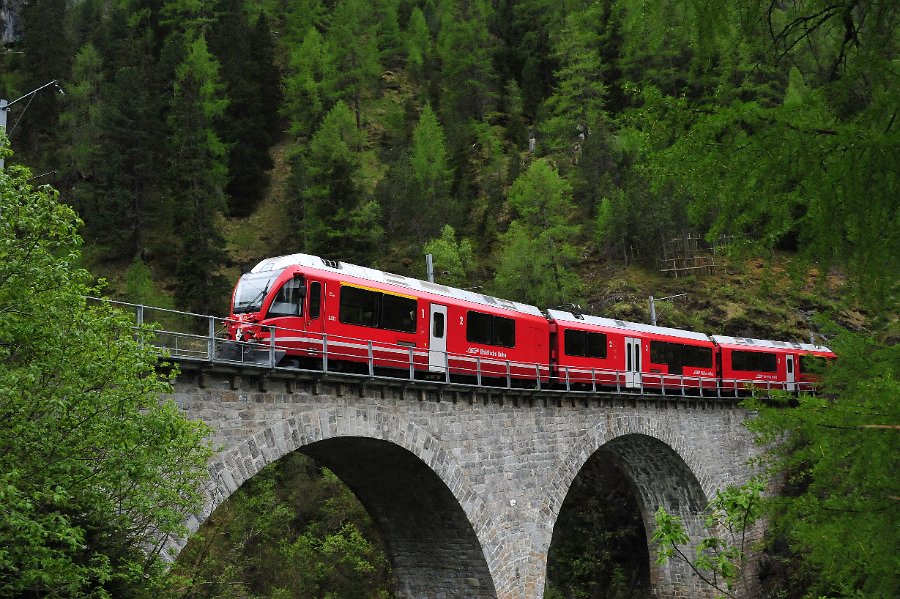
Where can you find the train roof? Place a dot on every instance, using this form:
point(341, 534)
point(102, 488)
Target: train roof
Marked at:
point(625, 326)
point(371, 274)
point(747, 342)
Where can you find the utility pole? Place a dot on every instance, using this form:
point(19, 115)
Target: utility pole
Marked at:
point(429, 268)
point(4, 107)
point(662, 299)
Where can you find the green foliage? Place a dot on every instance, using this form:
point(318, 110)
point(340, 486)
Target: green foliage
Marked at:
point(310, 66)
point(576, 107)
point(292, 513)
point(453, 260)
point(336, 216)
point(432, 176)
point(94, 470)
point(537, 252)
point(718, 559)
point(419, 45)
point(198, 174)
point(249, 125)
point(353, 42)
point(803, 157)
point(599, 547)
point(839, 449)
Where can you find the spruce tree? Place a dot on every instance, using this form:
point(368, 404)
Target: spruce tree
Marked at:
point(428, 157)
point(538, 251)
point(337, 219)
point(198, 174)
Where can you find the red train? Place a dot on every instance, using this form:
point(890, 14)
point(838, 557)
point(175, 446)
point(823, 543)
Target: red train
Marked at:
point(338, 316)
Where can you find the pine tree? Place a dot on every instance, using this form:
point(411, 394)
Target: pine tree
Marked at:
point(538, 251)
point(428, 157)
point(336, 218)
point(576, 107)
point(353, 42)
point(246, 55)
point(81, 121)
point(419, 45)
point(197, 175)
point(310, 68)
point(46, 57)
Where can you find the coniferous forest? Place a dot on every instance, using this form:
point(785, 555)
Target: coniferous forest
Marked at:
point(542, 150)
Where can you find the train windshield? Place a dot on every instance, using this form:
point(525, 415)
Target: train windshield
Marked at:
point(252, 289)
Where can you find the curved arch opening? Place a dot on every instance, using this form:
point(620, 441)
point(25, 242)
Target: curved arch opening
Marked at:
point(599, 547)
point(411, 522)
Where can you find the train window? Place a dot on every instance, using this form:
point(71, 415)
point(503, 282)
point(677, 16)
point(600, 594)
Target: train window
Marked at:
point(704, 357)
point(315, 299)
point(658, 352)
point(678, 355)
point(812, 364)
point(504, 332)
point(582, 343)
point(398, 313)
point(438, 329)
point(359, 306)
point(490, 330)
point(288, 301)
point(478, 328)
point(574, 342)
point(755, 361)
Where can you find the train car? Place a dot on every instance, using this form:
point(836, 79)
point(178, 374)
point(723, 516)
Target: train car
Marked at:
point(335, 315)
point(595, 351)
point(771, 364)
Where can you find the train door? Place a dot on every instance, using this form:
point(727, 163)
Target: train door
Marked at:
point(315, 319)
point(632, 362)
point(437, 346)
point(789, 362)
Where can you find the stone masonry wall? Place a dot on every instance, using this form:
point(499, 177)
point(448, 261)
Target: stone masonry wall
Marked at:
point(466, 486)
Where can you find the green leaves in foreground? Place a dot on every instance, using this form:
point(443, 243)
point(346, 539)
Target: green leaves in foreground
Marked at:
point(839, 450)
point(837, 456)
point(95, 473)
point(718, 560)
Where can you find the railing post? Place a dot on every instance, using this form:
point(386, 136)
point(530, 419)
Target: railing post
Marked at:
point(325, 353)
point(447, 367)
point(662, 383)
point(508, 376)
point(593, 380)
point(478, 371)
point(211, 342)
point(618, 383)
point(682, 387)
point(412, 370)
point(568, 386)
point(537, 369)
point(371, 362)
point(272, 347)
point(139, 319)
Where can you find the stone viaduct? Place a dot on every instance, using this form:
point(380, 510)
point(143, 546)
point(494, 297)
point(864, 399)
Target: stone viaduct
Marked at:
point(465, 484)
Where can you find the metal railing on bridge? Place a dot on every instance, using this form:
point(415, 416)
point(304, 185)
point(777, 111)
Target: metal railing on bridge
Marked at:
point(189, 337)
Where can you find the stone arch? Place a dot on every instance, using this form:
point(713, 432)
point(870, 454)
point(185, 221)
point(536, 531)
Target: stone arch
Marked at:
point(433, 547)
point(662, 470)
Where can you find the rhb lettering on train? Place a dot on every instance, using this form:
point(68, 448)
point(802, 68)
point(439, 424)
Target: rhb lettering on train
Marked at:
point(487, 353)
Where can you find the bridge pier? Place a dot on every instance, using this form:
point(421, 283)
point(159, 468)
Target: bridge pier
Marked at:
point(466, 485)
